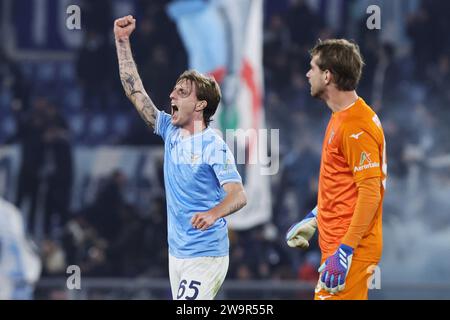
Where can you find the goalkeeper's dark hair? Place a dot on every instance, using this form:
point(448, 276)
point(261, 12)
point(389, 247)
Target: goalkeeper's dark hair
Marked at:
point(207, 89)
point(343, 59)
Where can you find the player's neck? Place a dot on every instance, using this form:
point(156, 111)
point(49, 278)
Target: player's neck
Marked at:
point(341, 100)
point(193, 128)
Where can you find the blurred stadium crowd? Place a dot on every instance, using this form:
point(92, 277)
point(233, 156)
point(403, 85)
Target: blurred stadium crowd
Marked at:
point(50, 106)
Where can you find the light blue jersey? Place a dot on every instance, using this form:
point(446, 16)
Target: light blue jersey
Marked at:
point(20, 266)
point(195, 169)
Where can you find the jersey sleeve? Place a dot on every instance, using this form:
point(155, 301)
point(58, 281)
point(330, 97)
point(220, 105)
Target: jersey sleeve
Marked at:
point(163, 124)
point(362, 152)
point(221, 159)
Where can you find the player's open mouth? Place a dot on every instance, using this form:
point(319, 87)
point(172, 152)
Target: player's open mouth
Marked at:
point(174, 109)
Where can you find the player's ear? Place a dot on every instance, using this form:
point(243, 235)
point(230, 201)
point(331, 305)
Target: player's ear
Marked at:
point(201, 105)
point(328, 76)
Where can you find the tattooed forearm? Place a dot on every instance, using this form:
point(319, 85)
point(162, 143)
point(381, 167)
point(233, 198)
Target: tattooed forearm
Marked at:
point(129, 83)
point(147, 111)
point(233, 201)
point(234, 207)
point(132, 83)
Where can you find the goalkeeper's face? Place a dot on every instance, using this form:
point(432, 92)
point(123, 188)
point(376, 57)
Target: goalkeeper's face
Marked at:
point(317, 79)
point(183, 101)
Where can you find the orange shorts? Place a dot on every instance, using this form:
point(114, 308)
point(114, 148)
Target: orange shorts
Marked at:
point(356, 287)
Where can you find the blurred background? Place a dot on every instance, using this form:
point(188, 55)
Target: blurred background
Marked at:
point(86, 173)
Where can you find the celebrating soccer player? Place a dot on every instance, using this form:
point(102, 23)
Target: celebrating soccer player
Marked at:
point(201, 180)
point(352, 177)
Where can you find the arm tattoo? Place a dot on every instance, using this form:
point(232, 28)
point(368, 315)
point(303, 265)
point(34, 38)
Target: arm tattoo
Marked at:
point(147, 111)
point(234, 207)
point(132, 83)
point(128, 83)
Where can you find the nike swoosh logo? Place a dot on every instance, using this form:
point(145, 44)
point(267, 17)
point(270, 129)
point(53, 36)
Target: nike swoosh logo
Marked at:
point(323, 297)
point(356, 135)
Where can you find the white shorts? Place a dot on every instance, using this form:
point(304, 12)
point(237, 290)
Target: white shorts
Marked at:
point(197, 278)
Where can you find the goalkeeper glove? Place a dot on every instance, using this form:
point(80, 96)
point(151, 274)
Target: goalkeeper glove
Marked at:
point(335, 269)
point(299, 234)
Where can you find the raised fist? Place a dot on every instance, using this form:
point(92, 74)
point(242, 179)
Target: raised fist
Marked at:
point(124, 27)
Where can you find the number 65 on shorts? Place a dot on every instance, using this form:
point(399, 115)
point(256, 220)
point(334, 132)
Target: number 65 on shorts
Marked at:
point(197, 278)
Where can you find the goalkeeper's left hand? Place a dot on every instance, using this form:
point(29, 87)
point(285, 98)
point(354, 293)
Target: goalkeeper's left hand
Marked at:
point(299, 234)
point(335, 269)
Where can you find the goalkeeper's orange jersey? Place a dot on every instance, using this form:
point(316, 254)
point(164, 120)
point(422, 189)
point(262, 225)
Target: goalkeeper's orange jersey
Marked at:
point(353, 150)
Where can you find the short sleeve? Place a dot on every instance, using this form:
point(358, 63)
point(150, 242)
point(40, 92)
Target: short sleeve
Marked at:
point(362, 152)
point(221, 159)
point(163, 124)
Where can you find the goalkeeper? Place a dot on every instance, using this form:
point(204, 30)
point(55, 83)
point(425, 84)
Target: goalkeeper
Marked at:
point(352, 177)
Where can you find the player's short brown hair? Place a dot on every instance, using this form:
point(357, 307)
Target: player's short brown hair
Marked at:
point(207, 89)
point(343, 59)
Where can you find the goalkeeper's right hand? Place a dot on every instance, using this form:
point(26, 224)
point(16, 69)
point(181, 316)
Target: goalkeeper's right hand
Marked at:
point(299, 234)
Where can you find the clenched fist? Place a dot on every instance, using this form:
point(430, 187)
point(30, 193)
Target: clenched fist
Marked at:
point(124, 27)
